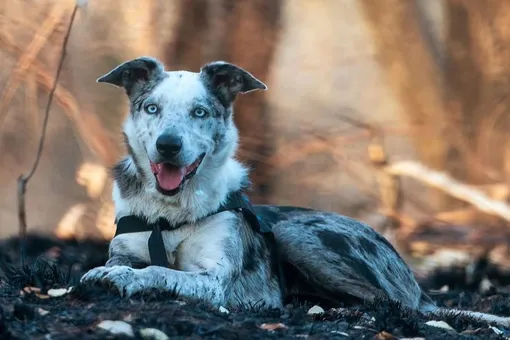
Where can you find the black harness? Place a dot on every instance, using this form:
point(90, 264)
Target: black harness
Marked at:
point(236, 201)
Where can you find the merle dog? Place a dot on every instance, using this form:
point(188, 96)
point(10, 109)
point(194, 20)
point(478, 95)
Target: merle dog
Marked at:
point(181, 167)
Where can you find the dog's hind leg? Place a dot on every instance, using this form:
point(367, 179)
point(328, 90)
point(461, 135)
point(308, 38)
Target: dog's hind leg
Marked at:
point(340, 256)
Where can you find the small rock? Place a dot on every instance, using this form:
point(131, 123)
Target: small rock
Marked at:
point(42, 311)
point(272, 326)
point(485, 286)
point(117, 327)
point(57, 292)
point(439, 324)
point(153, 334)
point(224, 310)
point(315, 310)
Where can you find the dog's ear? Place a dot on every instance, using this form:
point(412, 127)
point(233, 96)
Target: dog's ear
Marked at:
point(133, 73)
point(228, 80)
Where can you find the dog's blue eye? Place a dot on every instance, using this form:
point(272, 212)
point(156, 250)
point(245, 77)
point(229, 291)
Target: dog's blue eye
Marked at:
point(199, 113)
point(151, 109)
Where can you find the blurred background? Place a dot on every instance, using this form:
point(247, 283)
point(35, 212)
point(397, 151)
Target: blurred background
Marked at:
point(393, 112)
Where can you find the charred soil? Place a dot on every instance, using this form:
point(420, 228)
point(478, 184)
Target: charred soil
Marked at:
point(29, 309)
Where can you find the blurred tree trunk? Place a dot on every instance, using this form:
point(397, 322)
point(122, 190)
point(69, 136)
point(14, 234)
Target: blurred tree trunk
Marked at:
point(414, 73)
point(478, 82)
point(244, 33)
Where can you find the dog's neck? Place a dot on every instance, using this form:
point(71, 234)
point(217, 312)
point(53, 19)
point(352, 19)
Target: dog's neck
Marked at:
point(203, 194)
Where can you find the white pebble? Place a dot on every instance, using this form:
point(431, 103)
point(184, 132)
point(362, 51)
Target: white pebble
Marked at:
point(117, 327)
point(57, 292)
point(224, 310)
point(439, 324)
point(153, 334)
point(315, 310)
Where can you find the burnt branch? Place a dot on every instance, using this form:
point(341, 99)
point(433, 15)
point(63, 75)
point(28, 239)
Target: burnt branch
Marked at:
point(23, 179)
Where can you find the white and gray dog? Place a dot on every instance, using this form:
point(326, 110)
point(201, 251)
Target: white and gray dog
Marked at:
point(181, 167)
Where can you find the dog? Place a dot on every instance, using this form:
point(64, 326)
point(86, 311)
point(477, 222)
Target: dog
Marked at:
point(181, 167)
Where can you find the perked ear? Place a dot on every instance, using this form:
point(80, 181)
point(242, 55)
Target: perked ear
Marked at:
point(133, 73)
point(228, 80)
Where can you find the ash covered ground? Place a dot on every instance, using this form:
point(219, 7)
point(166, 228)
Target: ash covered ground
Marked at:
point(29, 311)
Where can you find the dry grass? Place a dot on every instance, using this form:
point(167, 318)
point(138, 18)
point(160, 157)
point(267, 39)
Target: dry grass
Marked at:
point(28, 57)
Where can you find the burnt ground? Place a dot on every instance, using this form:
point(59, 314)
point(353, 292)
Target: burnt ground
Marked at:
point(52, 263)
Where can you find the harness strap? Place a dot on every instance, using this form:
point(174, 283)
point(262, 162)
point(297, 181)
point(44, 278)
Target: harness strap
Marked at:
point(240, 202)
point(237, 201)
point(135, 224)
point(157, 250)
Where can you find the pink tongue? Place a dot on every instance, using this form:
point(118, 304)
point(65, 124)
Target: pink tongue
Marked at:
point(169, 177)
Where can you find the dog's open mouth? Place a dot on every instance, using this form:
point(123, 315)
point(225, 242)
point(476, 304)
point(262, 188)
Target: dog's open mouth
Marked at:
point(170, 178)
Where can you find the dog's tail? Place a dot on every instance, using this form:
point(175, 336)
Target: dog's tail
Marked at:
point(428, 307)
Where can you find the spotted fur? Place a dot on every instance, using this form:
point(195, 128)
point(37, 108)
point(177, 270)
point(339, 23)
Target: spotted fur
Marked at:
point(220, 258)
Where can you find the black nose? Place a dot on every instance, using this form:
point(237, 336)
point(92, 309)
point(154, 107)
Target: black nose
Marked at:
point(168, 145)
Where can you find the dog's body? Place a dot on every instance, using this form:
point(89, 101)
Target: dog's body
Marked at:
point(181, 167)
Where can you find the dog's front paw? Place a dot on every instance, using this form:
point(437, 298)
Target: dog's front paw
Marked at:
point(95, 275)
point(126, 280)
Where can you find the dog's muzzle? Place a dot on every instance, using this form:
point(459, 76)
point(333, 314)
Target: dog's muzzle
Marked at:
point(169, 172)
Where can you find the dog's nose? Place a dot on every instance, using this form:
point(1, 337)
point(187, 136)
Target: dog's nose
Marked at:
point(168, 145)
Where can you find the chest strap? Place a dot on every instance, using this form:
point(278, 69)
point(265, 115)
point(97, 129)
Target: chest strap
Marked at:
point(236, 201)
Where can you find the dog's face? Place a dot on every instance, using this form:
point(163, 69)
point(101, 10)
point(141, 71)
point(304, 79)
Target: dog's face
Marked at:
point(179, 120)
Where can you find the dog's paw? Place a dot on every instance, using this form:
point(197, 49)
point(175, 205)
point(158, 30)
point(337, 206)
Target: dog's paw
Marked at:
point(126, 280)
point(95, 275)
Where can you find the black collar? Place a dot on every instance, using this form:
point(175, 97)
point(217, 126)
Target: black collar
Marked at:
point(237, 201)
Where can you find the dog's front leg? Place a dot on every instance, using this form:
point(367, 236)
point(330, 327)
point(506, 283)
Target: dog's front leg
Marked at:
point(126, 260)
point(205, 285)
point(129, 250)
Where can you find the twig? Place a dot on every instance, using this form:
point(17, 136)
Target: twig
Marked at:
point(452, 187)
point(23, 179)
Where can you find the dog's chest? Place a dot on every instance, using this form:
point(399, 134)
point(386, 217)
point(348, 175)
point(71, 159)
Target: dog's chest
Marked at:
point(192, 247)
point(137, 244)
point(173, 241)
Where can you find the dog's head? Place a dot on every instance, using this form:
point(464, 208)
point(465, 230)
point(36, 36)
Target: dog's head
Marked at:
point(180, 121)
